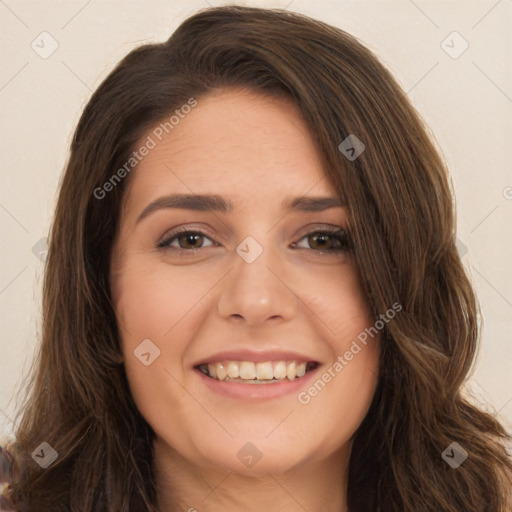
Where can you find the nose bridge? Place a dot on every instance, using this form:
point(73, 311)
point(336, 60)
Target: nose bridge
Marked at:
point(254, 290)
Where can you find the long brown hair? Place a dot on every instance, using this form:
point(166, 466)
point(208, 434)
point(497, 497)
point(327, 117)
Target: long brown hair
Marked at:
point(402, 224)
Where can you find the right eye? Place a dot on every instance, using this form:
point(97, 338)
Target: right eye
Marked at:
point(185, 240)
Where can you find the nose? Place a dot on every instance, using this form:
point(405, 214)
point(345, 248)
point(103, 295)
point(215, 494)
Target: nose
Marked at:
point(257, 291)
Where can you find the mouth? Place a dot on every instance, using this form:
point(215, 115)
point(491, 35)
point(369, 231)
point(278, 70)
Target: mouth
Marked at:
point(249, 372)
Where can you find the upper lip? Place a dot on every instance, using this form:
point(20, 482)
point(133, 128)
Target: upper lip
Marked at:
point(255, 356)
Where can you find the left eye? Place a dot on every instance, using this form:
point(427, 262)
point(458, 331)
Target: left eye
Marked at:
point(335, 240)
point(189, 237)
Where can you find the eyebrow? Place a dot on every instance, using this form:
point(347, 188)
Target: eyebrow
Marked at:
point(213, 202)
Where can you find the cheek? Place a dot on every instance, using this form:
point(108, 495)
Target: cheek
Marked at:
point(341, 394)
point(151, 308)
point(151, 299)
point(157, 303)
point(336, 299)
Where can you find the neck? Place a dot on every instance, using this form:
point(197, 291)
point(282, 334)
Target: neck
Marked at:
point(312, 486)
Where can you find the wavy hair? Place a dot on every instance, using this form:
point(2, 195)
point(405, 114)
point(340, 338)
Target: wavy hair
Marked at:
point(401, 215)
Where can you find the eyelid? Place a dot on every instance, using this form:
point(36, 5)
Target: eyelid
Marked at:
point(322, 228)
point(309, 230)
point(337, 232)
point(186, 228)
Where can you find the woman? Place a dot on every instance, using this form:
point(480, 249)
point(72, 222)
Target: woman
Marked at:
point(252, 294)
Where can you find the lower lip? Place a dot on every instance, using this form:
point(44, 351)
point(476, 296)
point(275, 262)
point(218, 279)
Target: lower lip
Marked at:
point(241, 390)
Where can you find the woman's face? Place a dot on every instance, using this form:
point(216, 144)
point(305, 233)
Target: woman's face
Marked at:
point(260, 286)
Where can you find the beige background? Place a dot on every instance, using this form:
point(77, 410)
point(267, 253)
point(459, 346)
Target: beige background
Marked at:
point(465, 97)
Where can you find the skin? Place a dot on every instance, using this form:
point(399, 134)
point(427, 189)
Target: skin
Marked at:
point(254, 150)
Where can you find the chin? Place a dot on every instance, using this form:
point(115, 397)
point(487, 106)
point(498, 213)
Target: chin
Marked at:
point(254, 458)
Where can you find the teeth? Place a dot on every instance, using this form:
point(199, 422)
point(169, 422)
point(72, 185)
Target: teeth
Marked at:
point(233, 369)
point(291, 372)
point(301, 369)
point(264, 371)
point(280, 370)
point(221, 371)
point(268, 371)
point(212, 370)
point(247, 370)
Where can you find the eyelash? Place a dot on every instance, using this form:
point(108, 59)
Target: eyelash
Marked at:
point(338, 234)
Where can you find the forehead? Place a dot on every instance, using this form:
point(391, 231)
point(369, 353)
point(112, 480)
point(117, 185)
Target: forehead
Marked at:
point(235, 142)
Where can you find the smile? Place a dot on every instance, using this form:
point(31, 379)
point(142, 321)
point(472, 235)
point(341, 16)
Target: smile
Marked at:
point(249, 372)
